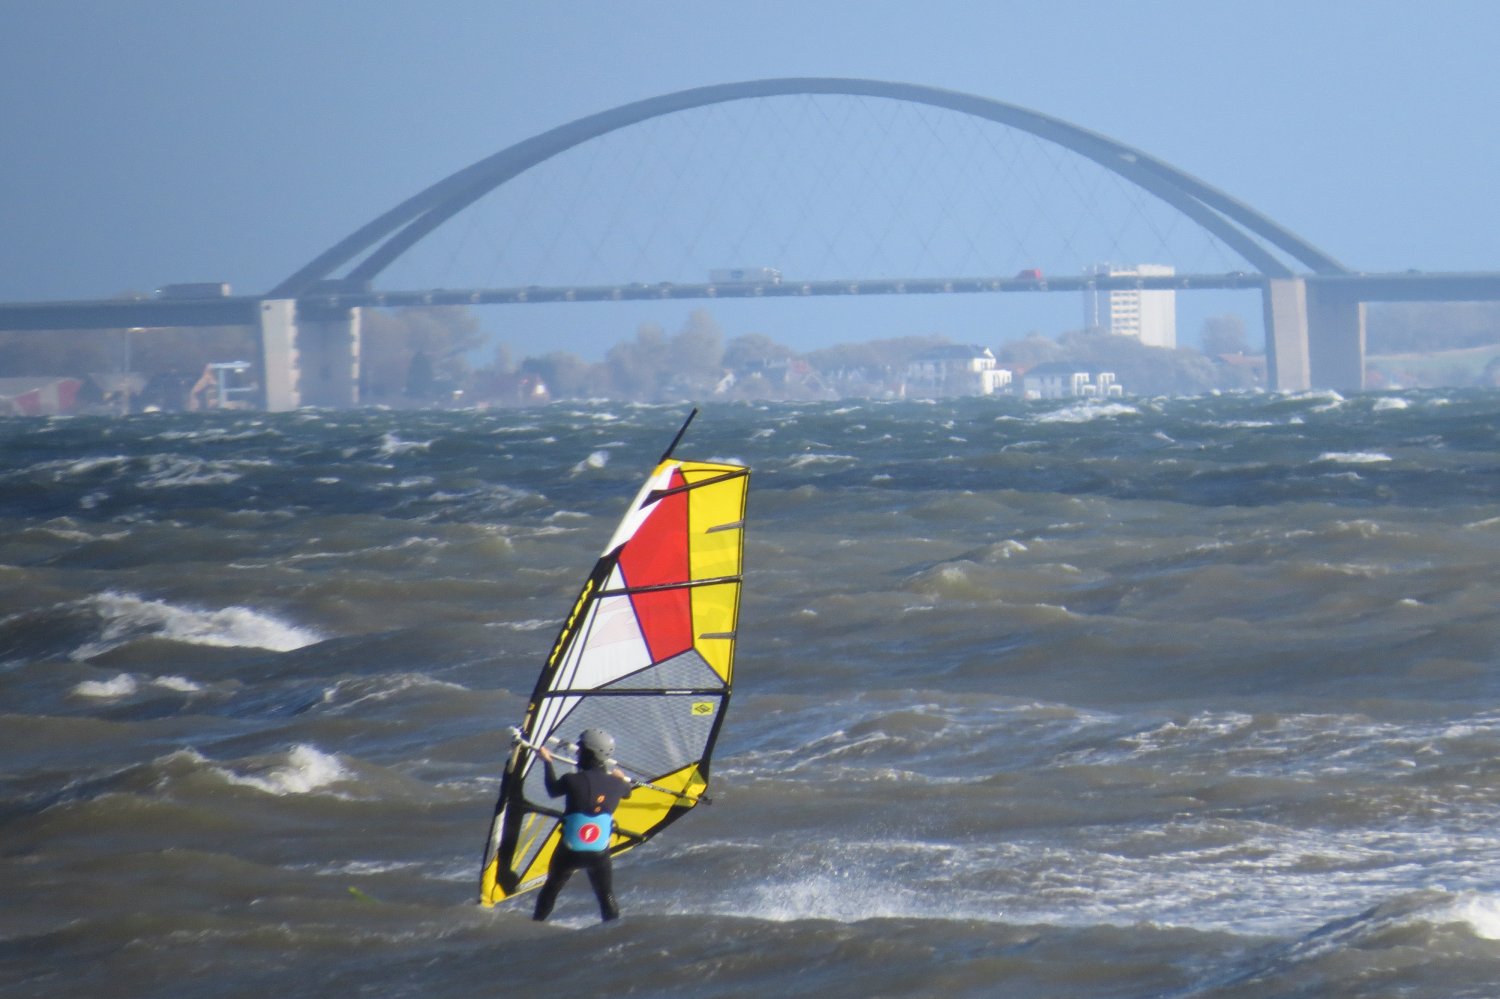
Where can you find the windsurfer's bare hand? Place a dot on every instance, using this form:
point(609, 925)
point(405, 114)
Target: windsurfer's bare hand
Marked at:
point(619, 773)
point(544, 753)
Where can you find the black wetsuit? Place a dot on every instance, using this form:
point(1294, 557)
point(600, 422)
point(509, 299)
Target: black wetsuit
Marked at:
point(590, 791)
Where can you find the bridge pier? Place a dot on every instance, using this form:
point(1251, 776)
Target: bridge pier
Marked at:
point(309, 361)
point(278, 354)
point(1336, 349)
point(1288, 367)
point(329, 346)
point(1315, 336)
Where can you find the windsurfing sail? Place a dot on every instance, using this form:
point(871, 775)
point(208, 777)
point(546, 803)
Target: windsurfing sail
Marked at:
point(647, 654)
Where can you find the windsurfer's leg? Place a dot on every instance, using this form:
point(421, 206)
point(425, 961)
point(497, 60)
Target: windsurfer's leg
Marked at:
point(602, 878)
point(547, 897)
point(558, 873)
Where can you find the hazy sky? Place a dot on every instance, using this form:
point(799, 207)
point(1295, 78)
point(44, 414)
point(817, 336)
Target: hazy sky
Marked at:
point(156, 141)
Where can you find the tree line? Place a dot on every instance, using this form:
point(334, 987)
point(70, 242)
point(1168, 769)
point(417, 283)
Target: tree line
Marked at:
point(428, 356)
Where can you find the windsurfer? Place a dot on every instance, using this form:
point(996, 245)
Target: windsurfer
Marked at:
point(592, 794)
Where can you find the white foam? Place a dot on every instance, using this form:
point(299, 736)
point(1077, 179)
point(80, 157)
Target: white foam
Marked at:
point(127, 684)
point(410, 482)
point(594, 461)
point(63, 531)
point(128, 617)
point(1221, 875)
point(531, 624)
point(348, 693)
point(83, 466)
point(363, 868)
point(842, 894)
point(169, 471)
point(1329, 397)
point(306, 769)
point(123, 685)
point(804, 460)
point(181, 684)
point(1481, 912)
point(1354, 457)
point(391, 446)
point(1087, 411)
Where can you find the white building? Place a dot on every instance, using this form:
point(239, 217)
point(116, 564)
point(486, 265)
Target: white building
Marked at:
point(1149, 316)
point(1061, 380)
point(956, 369)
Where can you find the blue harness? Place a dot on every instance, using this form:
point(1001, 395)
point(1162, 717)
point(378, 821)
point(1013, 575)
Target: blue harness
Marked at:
point(587, 833)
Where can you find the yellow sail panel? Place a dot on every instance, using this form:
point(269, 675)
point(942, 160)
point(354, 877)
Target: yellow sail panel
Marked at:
point(540, 836)
point(649, 805)
point(716, 522)
point(716, 555)
point(716, 529)
point(536, 871)
point(715, 618)
point(489, 887)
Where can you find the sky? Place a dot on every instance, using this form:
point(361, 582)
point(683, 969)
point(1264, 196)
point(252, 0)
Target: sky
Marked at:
point(162, 141)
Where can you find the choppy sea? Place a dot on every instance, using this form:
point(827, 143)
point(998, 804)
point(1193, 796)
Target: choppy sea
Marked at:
point(1183, 698)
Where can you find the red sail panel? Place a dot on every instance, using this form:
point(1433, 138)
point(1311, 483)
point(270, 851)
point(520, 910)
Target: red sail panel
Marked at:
point(658, 554)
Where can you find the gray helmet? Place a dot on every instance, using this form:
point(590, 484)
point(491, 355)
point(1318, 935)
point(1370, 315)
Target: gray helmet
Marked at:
point(597, 741)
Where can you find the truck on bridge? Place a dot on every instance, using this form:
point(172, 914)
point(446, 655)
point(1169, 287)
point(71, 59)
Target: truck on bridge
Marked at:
point(745, 275)
point(194, 289)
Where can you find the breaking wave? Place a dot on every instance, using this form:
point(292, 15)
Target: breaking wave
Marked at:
point(126, 617)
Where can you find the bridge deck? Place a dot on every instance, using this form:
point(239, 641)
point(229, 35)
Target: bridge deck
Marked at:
point(243, 309)
point(1410, 286)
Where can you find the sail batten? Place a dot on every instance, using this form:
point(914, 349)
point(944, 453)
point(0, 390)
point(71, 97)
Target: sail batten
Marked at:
point(634, 692)
point(659, 587)
point(646, 653)
point(686, 486)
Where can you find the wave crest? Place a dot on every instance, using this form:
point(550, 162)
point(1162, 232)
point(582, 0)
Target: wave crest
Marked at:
point(127, 617)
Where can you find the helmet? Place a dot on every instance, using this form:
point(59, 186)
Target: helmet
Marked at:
point(597, 741)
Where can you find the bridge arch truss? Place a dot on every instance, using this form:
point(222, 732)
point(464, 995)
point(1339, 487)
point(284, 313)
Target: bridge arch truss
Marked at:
point(373, 247)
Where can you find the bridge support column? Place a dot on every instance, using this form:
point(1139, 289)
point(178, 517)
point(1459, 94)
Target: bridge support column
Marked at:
point(329, 346)
point(306, 361)
point(1336, 348)
point(1288, 367)
point(278, 354)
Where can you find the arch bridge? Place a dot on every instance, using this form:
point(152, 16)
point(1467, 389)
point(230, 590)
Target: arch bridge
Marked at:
point(1312, 305)
point(1293, 309)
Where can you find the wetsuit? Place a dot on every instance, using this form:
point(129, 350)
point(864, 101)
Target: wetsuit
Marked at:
point(590, 792)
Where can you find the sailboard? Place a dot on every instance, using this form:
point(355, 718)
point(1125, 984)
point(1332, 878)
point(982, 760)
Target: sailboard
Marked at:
point(647, 654)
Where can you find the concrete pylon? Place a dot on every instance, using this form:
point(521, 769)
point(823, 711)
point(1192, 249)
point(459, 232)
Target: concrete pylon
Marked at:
point(330, 347)
point(1336, 345)
point(309, 362)
point(1288, 367)
point(278, 352)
